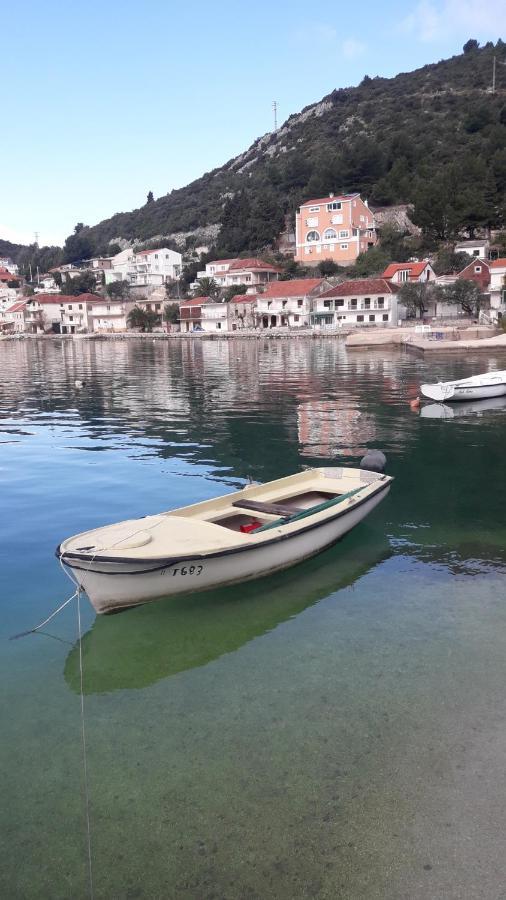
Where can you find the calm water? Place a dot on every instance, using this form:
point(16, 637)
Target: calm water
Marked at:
point(336, 731)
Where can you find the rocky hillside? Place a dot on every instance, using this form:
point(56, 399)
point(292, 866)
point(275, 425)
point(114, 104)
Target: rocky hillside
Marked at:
point(435, 138)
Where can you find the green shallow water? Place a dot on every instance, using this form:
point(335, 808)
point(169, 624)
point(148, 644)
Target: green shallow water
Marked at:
point(337, 730)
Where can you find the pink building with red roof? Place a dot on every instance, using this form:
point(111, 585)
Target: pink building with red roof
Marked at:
point(337, 227)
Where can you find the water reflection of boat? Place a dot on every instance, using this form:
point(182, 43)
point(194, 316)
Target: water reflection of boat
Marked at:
point(151, 642)
point(442, 411)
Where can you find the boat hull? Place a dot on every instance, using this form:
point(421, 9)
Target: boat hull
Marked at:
point(116, 585)
point(480, 387)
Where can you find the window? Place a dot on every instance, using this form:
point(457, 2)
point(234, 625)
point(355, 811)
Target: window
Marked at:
point(404, 275)
point(218, 324)
point(156, 255)
point(312, 221)
point(166, 256)
point(158, 305)
point(339, 302)
point(283, 304)
point(362, 219)
point(337, 220)
point(372, 318)
point(71, 318)
point(381, 302)
point(314, 209)
point(108, 308)
point(360, 318)
point(353, 303)
point(80, 306)
point(367, 303)
point(295, 318)
point(385, 317)
point(334, 205)
point(477, 269)
point(476, 252)
point(326, 304)
point(69, 306)
point(331, 234)
point(344, 234)
point(312, 236)
point(344, 246)
point(300, 302)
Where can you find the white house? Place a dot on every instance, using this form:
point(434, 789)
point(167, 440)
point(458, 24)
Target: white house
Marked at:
point(214, 316)
point(497, 288)
point(13, 318)
point(60, 313)
point(288, 303)
point(145, 268)
point(367, 301)
point(401, 273)
point(480, 248)
point(110, 315)
point(47, 285)
point(251, 272)
point(7, 263)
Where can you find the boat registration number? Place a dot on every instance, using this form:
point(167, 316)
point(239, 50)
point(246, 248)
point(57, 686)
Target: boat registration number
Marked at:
point(184, 570)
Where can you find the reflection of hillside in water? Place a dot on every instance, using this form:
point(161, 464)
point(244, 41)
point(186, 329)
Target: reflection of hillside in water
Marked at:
point(142, 646)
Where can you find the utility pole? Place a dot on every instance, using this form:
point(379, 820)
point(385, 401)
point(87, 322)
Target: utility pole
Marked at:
point(493, 75)
point(275, 111)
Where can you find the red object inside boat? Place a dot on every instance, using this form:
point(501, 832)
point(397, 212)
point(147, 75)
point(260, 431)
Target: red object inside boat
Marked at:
point(245, 529)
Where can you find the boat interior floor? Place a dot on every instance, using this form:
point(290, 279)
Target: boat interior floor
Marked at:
point(288, 506)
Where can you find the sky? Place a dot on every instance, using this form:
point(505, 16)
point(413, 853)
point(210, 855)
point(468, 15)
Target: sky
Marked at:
point(104, 101)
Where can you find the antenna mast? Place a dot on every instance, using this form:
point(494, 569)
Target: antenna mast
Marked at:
point(275, 111)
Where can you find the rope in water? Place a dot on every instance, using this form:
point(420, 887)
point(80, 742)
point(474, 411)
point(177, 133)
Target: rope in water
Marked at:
point(83, 734)
point(77, 596)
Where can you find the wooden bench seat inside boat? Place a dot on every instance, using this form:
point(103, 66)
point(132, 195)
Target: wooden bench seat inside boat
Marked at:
point(288, 506)
point(273, 509)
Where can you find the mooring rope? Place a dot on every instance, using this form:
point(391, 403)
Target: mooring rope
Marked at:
point(75, 596)
point(83, 733)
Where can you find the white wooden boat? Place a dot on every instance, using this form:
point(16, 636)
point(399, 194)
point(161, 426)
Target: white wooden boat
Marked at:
point(238, 537)
point(478, 387)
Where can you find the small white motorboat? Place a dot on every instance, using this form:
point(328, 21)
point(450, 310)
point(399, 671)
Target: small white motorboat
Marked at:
point(478, 387)
point(241, 536)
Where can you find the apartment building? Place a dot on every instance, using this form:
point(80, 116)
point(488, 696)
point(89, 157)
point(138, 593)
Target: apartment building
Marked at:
point(146, 268)
point(367, 301)
point(253, 273)
point(288, 303)
point(337, 227)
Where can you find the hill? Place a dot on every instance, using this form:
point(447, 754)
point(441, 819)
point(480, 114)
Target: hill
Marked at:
point(435, 137)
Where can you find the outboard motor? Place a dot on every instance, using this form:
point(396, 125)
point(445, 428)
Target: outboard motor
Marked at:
point(374, 461)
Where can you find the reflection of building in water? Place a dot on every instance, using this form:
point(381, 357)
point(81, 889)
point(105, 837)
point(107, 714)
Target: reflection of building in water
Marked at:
point(333, 427)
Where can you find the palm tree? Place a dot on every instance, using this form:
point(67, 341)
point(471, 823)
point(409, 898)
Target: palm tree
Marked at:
point(207, 287)
point(136, 318)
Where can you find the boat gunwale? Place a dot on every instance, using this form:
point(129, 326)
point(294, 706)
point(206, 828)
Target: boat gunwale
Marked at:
point(384, 482)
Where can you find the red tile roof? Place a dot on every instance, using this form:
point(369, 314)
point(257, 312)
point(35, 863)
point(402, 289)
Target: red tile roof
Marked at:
point(221, 262)
point(414, 268)
point(5, 275)
point(336, 197)
point(17, 307)
point(195, 301)
point(69, 298)
point(497, 263)
point(360, 286)
point(299, 287)
point(243, 298)
point(253, 263)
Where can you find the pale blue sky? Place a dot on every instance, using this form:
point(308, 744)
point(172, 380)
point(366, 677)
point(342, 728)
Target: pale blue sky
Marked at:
point(103, 101)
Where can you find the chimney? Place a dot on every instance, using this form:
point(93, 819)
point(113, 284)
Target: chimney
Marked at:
point(331, 195)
